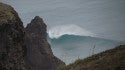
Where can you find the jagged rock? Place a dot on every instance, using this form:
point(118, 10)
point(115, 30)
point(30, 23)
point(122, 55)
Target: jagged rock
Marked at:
point(14, 39)
point(39, 53)
point(12, 48)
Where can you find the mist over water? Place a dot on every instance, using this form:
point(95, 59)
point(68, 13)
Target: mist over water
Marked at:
point(71, 42)
point(72, 47)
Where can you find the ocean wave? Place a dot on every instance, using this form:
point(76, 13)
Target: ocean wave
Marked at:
point(69, 29)
point(71, 47)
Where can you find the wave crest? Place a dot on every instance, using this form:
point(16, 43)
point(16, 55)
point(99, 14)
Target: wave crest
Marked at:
point(69, 29)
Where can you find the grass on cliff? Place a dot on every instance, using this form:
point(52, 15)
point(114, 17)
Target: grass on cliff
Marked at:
point(6, 12)
point(113, 59)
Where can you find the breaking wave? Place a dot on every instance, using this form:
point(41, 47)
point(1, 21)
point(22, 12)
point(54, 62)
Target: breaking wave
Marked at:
point(69, 29)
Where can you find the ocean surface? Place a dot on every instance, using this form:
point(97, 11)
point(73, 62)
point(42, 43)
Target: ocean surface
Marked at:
point(105, 18)
point(77, 28)
point(72, 47)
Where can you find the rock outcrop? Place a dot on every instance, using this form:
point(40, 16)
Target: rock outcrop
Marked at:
point(12, 48)
point(24, 48)
point(39, 53)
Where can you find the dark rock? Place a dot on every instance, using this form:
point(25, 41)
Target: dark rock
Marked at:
point(12, 48)
point(39, 53)
point(14, 39)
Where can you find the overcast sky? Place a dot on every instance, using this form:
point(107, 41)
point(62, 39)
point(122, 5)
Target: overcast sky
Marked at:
point(106, 18)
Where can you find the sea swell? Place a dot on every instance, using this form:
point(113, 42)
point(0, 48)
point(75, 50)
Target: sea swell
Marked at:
point(71, 47)
point(69, 29)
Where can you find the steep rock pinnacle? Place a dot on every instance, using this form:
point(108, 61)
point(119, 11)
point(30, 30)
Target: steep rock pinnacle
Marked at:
point(37, 26)
point(39, 53)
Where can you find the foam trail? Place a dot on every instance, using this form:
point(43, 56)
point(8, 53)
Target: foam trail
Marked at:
point(69, 29)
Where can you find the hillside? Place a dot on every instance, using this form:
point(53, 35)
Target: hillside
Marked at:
point(113, 59)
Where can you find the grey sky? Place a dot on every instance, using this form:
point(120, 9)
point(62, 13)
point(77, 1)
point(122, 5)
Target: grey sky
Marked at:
point(106, 18)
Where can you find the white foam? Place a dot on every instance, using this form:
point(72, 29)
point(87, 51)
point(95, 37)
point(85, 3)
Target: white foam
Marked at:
point(69, 29)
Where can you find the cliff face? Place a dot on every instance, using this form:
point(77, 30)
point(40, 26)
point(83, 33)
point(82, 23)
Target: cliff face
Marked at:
point(113, 59)
point(12, 46)
point(24, 48)
point(39, 53)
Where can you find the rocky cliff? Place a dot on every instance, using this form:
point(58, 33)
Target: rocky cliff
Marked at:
point(12, 48)
point(24, 48)
point(39, 53)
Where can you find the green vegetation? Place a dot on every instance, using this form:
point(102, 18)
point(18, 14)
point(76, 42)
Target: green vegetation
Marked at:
point(113, 59)
point(6, 12)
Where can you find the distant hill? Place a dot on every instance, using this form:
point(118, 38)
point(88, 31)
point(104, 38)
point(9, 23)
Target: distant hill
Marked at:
point(71, 47)
point(113, 59)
